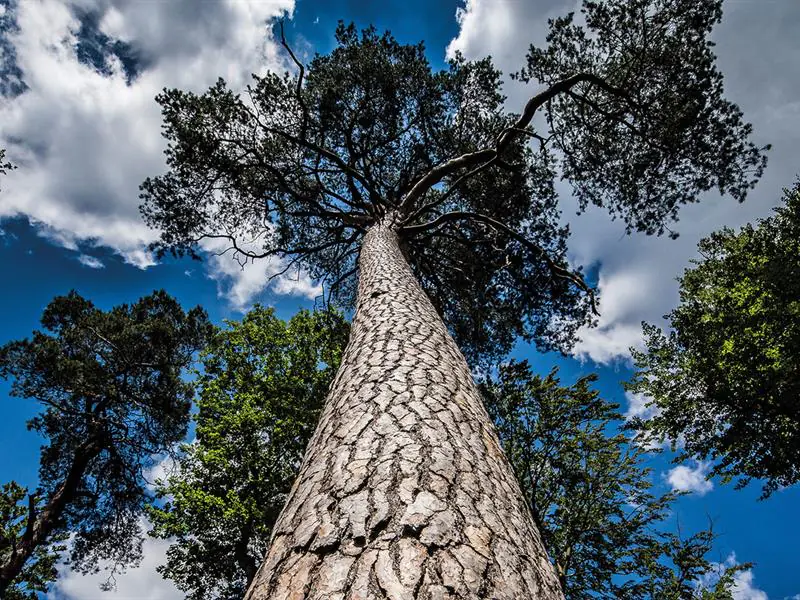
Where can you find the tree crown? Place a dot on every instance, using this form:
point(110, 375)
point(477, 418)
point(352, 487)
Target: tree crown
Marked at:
point(300, 166)
point(724, 381)
point(592, 496)
point(112, 398)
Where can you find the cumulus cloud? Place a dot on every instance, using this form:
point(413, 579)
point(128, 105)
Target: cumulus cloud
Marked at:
point(504, 28)
point(240, 281)
point(85, 132)
point(638, 407)
point(690, 478)
point(163, 468)
point(135, 584)
point(743, 587)
point(637, 273)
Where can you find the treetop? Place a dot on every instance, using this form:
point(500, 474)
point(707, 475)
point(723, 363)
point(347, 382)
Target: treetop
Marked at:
point(299, 166)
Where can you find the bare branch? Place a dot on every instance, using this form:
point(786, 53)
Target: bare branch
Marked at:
point(452, 188)
point(319, 150)
point(554, 90)
point(305, 251)
point(555, 269)
point(298, 92)
point(341, 279)
point(439, 172)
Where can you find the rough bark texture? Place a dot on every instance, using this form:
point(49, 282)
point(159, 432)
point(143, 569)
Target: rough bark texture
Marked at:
point(404, 492)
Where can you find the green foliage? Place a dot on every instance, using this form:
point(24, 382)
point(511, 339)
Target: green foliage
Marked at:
point(369, 120)
point(677, 568)
point(260, 391)
point(589, 492)
point(305, 164)
point(725, 380)
point(659, 131)
point(112, 397)
point(40, 569)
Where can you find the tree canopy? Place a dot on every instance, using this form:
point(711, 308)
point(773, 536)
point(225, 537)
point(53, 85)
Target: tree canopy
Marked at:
point(260, 388)
point(299, 166)
point(112, 399)
point(724, 381)
point(591, 495)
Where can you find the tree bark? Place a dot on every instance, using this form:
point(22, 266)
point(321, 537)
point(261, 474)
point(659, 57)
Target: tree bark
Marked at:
point(404, 491)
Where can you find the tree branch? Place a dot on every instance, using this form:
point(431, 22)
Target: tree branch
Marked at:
point(439, 172)
point(452, 188)
point(555, 269)
point(298, 91)
point(319, 150)
point(29, 527)
point(554, 90)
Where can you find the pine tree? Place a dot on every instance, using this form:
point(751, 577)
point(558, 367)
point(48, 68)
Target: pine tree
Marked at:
point(112, 399)
point(416, 198)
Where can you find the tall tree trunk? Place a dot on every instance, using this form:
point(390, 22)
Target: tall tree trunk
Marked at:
point(404, 491)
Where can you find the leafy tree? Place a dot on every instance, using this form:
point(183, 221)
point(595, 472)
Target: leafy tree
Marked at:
point(725, 380)
point(260, 390)
point(678, 568)
point(112, 398)
point(590, 493)
point(366, 162)
point(263, 383)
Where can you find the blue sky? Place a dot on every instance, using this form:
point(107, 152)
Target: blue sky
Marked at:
point(85, 134)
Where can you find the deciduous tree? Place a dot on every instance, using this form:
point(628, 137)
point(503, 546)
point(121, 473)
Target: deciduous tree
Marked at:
point(259, 393)
point(366, 162)
point(112, 398)
point(724, 381)
point(591, 494)
point(259, 399)
point(39, 571)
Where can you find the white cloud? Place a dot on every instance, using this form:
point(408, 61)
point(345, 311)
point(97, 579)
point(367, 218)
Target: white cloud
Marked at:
point(638, 407)
point(504, 28)
point(685, 478)
point(637, 272)
point(90, 261)
point(743, 588)
point(135, 584)
point(164, 467)
point(241, 281)
point(83, 140)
